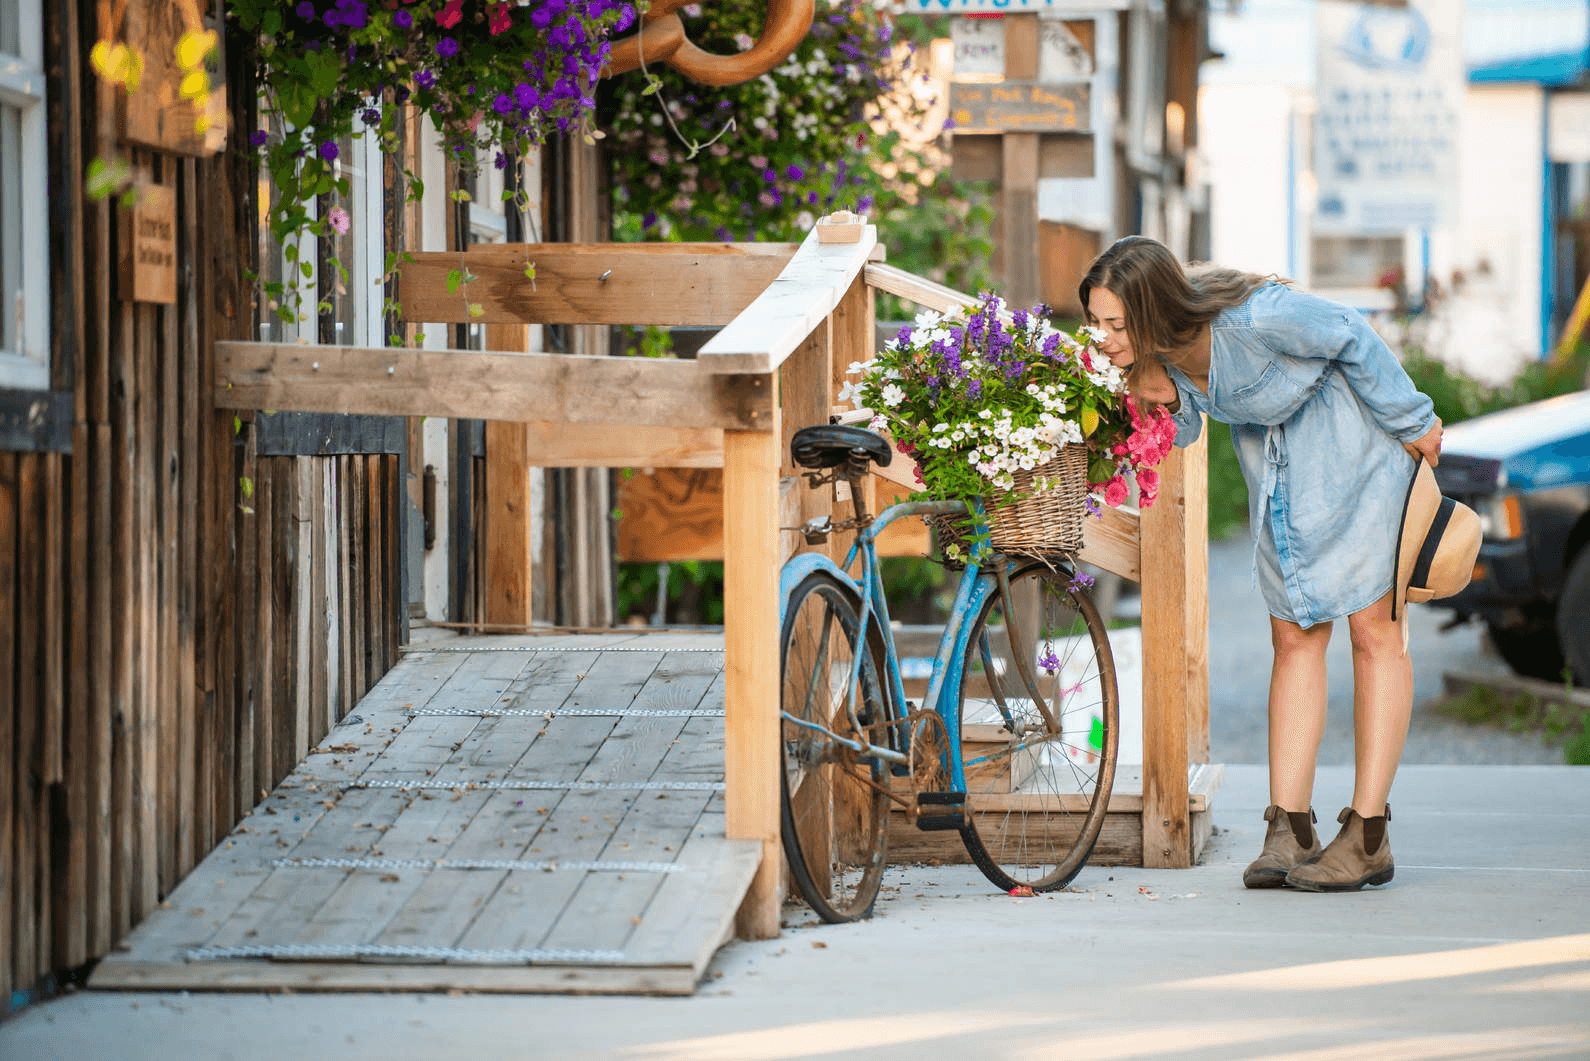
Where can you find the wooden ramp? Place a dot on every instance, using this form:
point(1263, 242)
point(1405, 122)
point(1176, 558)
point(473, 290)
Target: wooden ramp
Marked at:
point(498, 814)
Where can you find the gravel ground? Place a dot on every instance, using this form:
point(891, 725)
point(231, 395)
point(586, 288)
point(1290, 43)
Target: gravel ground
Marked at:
point(1239, 678)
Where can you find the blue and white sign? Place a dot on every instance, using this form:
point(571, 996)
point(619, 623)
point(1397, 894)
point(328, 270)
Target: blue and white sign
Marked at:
point(1014, 7)
point(1389, 91)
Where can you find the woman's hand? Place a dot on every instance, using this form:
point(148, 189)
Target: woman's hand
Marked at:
point(1428, 446)
point(1154, 384)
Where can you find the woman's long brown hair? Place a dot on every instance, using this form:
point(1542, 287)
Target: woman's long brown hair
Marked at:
point(1165, 306)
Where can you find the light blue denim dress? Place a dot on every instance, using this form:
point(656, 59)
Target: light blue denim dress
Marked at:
point(1319, 408)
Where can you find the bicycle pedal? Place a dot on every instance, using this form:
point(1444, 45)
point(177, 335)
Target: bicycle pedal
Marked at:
point(936, 811)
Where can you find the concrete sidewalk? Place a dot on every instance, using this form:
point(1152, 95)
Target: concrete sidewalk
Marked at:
point(1480, 949)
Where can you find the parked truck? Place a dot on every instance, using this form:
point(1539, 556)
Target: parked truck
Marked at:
point(1526, 471)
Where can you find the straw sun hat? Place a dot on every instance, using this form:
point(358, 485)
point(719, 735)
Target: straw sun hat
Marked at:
point(1437, 543)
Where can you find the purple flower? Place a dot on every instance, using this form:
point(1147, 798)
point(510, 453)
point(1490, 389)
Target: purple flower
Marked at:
point(328, 150)
point(501, 161)
point(503, 104)
point(447, 47)
point(258, 137)
point(371, 116)
point(974, 389)
point(794, 172)
point(1049, 662)
point(306, 10)
point(425, 79)
point(770, 176)
point(649, 220)
point(527, 96)
point(403, 19)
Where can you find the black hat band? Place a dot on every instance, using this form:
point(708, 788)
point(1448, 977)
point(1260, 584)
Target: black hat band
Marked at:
point(1432, 542)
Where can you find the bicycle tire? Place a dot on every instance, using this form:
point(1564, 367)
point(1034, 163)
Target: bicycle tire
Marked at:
point(834, 803)
point(1035, 806)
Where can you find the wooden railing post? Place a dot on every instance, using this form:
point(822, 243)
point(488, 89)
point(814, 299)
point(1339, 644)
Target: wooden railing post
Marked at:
point(751, 678)
point(1175, 565)
point(508, 575)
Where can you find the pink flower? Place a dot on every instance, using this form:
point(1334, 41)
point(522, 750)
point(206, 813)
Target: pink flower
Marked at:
point(338, 219)
point(1115, 492)
point(499, 19)
point(1148, 480)
point(449, 15)
point(1119, 449)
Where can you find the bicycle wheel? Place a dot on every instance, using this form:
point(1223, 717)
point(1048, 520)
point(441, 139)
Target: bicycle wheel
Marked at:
point(1037, 786)
point(835, 801)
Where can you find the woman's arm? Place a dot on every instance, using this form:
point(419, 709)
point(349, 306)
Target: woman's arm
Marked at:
point(1307, 326)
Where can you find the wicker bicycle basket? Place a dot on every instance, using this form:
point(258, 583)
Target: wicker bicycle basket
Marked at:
point(1036, 523)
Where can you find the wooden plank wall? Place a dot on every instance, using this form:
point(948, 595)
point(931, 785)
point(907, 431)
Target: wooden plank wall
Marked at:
point(155, 613)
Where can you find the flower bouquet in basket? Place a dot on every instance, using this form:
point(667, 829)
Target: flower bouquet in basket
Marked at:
point(1002, 408)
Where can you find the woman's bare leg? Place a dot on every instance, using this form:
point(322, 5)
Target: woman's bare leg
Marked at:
point(1382, 704)
point(1297, 710)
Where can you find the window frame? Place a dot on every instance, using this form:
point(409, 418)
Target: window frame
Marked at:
point(23, 88)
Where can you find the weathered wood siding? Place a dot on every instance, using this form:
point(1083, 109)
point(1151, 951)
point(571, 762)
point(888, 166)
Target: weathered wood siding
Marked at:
point(171, 642)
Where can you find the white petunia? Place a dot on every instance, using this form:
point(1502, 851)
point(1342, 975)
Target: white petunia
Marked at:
point(893, 395)
point(850, 392)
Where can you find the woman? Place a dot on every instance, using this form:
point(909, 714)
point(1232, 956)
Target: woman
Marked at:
point(1324, 419)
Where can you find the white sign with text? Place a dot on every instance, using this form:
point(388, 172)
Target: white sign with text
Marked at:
point(1390, 85)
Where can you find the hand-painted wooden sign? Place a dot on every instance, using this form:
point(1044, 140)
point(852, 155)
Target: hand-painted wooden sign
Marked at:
point(1021, 106)
point(148, 240)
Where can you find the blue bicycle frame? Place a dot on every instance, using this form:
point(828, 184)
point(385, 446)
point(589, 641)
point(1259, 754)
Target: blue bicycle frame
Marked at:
point(975, 586)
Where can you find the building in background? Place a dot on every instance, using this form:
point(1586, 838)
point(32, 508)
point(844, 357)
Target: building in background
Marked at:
point(1498, 264)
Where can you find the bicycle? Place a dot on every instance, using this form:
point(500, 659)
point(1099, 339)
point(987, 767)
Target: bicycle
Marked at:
point(1014, 745)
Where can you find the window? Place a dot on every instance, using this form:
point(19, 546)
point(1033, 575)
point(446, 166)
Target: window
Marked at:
point(24, 238)
point(356, 301)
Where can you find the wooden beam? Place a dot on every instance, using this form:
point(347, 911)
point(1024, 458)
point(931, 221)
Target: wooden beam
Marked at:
point(805, 292)
point(508, 527)
point(1175, 651)
point(554, 445)
point(592, 283)
point(979, 157)
point(751, 667)
point(1017, 224)
point(490, 386)
point(677, 514)
point(913, 288)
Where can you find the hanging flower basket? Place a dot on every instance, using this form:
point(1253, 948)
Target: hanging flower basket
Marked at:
point(1005, 411)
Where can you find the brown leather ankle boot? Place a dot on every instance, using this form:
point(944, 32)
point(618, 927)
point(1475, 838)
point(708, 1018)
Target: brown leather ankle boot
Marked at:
point(1289, 841)
point(1359, 855)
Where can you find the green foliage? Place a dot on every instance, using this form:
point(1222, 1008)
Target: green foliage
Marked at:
point(694, 592)
point(1553, 720)
point(1228, 490)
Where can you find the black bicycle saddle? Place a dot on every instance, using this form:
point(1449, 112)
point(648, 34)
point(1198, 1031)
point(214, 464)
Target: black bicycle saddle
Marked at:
point(830, 445)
